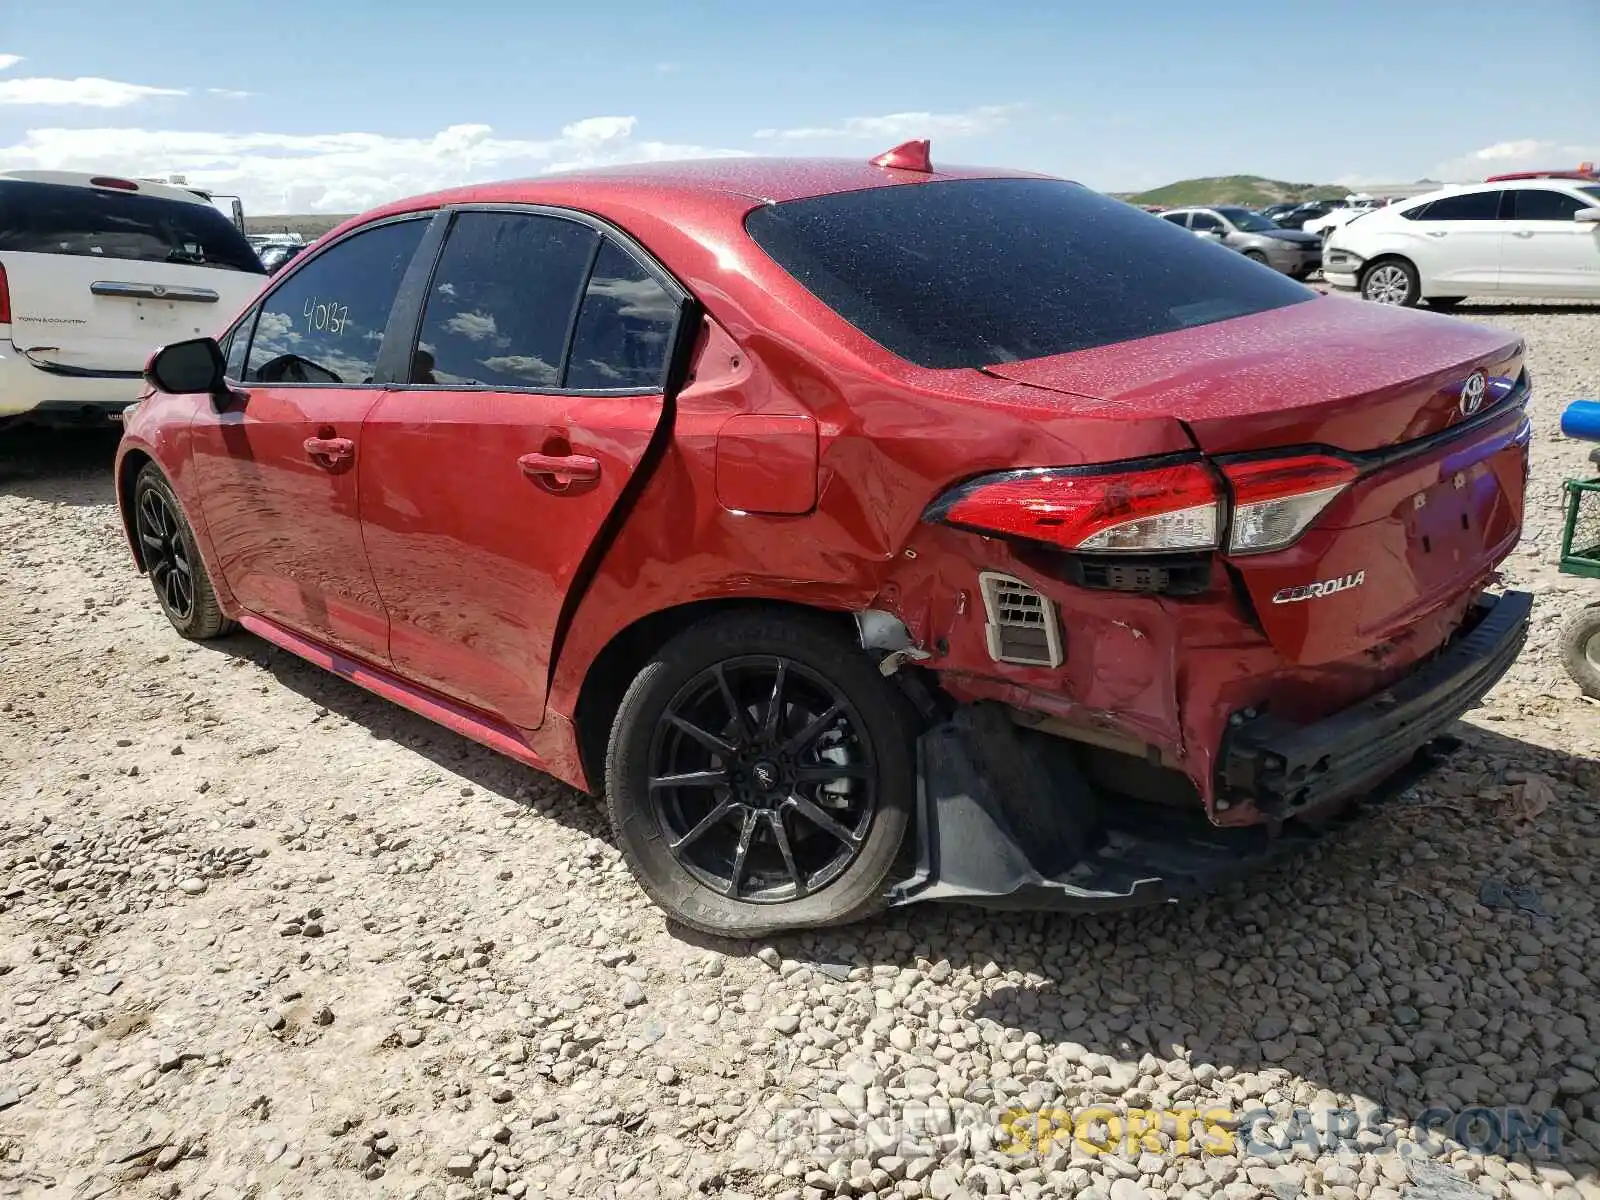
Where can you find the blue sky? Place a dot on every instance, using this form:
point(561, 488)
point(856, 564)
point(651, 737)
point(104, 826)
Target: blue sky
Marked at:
point(335, 106)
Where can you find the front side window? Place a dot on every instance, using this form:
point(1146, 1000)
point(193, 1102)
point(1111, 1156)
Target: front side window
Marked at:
point(325, 324)
point(975, 272)
point(237, 347)
point(56, 218)
point(1181, 219)
point(1537, 204)
point(1468, 206)
point(503, 300)
point(1247, 221)
point(1205, 221)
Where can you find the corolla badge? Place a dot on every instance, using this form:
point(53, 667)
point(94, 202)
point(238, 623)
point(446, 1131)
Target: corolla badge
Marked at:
point(1316, 591)
point(1473, 390)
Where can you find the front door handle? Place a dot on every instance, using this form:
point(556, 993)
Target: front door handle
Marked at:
point(1437, 232)
point(335, 449)
point(1522, 233)
point(561, 468)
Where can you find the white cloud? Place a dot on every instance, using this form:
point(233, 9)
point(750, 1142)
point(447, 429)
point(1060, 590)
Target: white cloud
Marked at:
point(1521, 154)
point(338, 172)
point(668, 68)
point(983, 119)
point(228, 94)
point(86, 92)
point(7, 61)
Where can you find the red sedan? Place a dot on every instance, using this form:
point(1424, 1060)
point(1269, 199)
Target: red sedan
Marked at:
point(867, 532)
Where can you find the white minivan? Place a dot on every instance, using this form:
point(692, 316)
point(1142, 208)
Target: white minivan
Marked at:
point(1537, 238)
point(96, 273)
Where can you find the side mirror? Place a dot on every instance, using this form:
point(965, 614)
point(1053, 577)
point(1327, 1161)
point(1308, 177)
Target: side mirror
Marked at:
point(187, 368)
point(1590, 216)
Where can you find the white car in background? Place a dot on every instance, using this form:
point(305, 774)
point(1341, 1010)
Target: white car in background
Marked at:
point(1354, 206)
point(96, 273)
point(1535, 238)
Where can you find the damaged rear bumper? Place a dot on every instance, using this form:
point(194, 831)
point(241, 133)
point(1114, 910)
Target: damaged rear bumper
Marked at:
point(1006, 820)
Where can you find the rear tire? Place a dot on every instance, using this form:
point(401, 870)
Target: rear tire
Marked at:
point(819, 803)
point(1391, 281)
point(1580, 649)
point(1256, 256)
point(172, 560)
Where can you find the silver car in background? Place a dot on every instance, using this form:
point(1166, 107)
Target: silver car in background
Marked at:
point(1254, 236)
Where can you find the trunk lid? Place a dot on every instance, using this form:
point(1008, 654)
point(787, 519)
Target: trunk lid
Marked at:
point(1333, 371)
point(1432, 512)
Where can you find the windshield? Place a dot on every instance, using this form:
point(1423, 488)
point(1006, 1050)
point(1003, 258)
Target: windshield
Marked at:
point(53, 218)
point(1246, 221)
point(969, 273)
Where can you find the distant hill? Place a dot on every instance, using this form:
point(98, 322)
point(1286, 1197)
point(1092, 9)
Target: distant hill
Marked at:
point(312, 226)
point(1252, 191)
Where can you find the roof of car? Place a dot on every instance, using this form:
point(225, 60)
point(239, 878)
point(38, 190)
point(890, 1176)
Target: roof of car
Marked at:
point(762, 180)
point(87, 179)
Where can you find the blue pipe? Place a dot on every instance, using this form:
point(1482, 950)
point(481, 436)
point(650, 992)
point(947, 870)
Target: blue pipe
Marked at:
point(1582, 420)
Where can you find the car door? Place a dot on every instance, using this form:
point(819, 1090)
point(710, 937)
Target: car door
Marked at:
point(277, 465)
point(1455, 243)
point(1209, 226)
point(519, 413)
point(1543, 251)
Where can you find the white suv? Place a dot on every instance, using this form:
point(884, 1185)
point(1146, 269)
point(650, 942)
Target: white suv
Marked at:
point(1534, 238)
point(96, 273)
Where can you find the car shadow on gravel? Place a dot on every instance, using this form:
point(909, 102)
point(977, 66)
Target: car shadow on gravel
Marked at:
point(1510, 308)
point(59, 466)
point(1436, 961)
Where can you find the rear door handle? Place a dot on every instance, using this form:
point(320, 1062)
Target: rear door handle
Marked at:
point(335, 448)
point(1437, 232)
point(561, 468)
point(1522, 233)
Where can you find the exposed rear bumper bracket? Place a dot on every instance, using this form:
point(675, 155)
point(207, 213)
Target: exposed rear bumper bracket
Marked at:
point(1286, 769)
point(1005, 820)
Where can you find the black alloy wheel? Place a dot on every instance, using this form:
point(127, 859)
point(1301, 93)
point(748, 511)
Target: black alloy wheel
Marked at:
point(762, 779)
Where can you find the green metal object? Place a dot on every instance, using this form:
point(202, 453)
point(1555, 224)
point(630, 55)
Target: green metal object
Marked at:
point(1580, 538)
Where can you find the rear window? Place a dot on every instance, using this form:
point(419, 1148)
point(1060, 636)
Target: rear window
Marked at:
point(52, 218)
point(970, 273)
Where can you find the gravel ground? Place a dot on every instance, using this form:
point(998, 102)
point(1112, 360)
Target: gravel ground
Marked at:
point(264, 935)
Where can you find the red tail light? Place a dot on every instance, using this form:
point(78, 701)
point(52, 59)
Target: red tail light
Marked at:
point(111, 181)
point(1275, 499)
point(1148, 508)
point(5, 297)
point(1138, 509)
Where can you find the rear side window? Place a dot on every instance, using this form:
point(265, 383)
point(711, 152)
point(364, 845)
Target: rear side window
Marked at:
point(53, 218)
point(1469, 206)
point(624, 333)
point(970, 273)
point(326, 323)
point(503, 301)
point(1536, 204)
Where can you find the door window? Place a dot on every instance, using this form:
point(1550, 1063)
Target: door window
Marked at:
point(503, 301)
point(238, 345)
point(1176, 218)
point(1537, 204)
point(624, 333)
point(1206, 221)
point(325, 324)
point(1468, 206)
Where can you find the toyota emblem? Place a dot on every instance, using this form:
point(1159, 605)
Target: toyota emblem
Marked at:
point(1472, 393)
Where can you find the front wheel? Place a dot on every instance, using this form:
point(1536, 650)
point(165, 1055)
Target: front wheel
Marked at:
point(760, 775)
point(1391, 281)
point(1256, 256)
point(172, 560)
point(1580, 649)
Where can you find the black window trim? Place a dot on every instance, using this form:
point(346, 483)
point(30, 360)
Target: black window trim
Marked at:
point(404, 331)
point(1509, 208)
point(304, 260)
